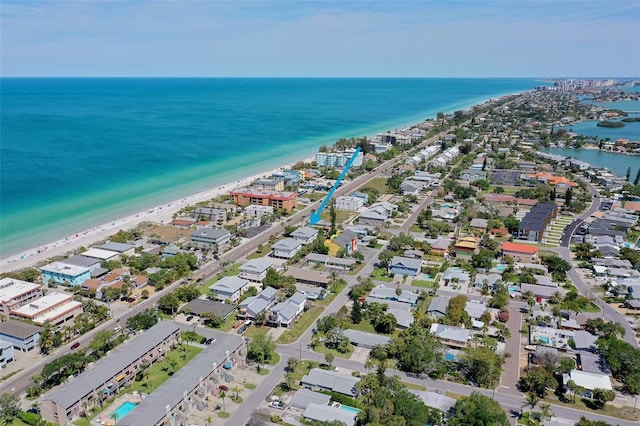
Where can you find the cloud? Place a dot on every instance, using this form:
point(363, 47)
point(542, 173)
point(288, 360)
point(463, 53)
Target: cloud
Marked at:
point(326, 38)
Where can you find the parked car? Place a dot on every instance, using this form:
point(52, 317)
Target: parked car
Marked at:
point(277, 404)
point(209, 341)
point(242, 329)
point(189, 318)
point(76, 345)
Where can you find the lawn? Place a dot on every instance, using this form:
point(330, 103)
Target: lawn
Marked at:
point(301, 326)
point(379, 184)
point(423, 283)
point(255, 331)
point(336, 290)
point(341, 215)
point(380, 275)
point(227, 272)
point(356, 269)
point(324, 350)
point(257, 255)
point(583, 404)
point(158, 373)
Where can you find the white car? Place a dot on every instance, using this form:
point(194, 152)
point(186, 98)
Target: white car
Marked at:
point(277, 404)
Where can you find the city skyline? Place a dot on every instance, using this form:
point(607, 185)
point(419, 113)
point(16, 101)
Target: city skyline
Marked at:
point(321, 39)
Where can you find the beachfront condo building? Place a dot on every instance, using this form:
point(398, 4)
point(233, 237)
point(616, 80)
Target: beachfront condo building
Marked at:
point(55, 308)
point(286, 201)
point(338, 159)
point(109, 375)
point(65, 274)
point(15, 293)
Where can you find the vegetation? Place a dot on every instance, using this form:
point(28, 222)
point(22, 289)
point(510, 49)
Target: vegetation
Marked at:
point(478, 410)
point(262, 349)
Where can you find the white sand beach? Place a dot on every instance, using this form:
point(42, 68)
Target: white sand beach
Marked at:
point(158, 214)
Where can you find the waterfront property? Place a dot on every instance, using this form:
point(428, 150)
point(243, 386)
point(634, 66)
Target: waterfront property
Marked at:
point(15, 293)
point(286, 201)
point(55, 308)
point(65, 274)
point(20, 335)
point(338, 159)
point(110, 374)
point(122, 248)
point(189, 388)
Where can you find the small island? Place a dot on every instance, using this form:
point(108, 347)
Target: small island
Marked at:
point(610, 124)
point(631, 120)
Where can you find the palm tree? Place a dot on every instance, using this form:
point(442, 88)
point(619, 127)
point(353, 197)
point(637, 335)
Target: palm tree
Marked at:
point(545, 410)
point(531, 399)
point(237, 391)
point(223, 394)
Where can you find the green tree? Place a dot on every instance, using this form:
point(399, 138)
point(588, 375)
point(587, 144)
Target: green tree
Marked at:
point(329, 358)
point(9, 407)
point(456, 313)
point(261, 349)
point(356, 312)
point(482, 365)
point(169, 303)
point(538, 380)
point(602, 396)
point(143, 321)
point(416, 350)
point(636, 181)
point(477, 410)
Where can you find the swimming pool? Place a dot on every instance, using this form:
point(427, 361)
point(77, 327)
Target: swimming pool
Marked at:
point(501, 267)
point(123, 410)
point(513, 289)
point(544, 339)
point(349, 409)
point(449, 357)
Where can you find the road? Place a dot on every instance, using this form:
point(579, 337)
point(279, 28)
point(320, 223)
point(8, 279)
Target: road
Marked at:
point(608, 312)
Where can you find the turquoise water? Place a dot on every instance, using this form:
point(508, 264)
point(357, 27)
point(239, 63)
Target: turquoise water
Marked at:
point(630, 131)
point(501, 267)
point(544, 339)
point(617, 163)
point(123, 410)
point(349, 409)
point(513, 289)
point(79, 152)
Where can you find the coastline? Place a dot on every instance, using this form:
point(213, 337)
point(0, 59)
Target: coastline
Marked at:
point(158, 214)
point(162, 213)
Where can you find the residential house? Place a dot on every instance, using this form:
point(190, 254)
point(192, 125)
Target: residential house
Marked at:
point(65, 274)
point(309, 277)
point(345, 264)
point(364, 339)
point(103, 255)
point(438, 306)
point(209, 213)
point(256, 212)
point(303, 397)
point(400, 310)
point(331, 381)
point(349, 203)
point(120, 248)
point(440, 246)
point(525, 253)
point(587, 381)
point(451, 336)
point(466, 246)
point(388, 293)
point(378, 214)
point(286, 249)
point(479, 224)
point(216, 236)
point(284, 314)
point(21, 335)
point(253, 306)
point(229, 288)
point(273, 184)
point(491, 280)
point(305, 234)
point(255, 270)
point(83, 261)
point(346, 241)
point(541, 292)
point(455, 275)
point(405, 266)
point(329, 414)
point(471, 175)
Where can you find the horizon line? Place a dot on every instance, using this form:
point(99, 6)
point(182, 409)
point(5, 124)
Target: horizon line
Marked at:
point(325, 77)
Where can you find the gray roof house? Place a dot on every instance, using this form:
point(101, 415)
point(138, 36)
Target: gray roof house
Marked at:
point(303, 397)
point(331, 381)
point(388, 293)
point(305, 234)
point(438, 306)
point(211, 236)
point(254, 305)
point(200, 306)
point(451, 336)
point(436, 400)
point(456, 273)
point(229, 288)
point(492, 280)
point(255, 269)
point(122, 248)
point(286, 248)
point(285, 313)
point(475, 309)
point(405, 266)
point(401, 311)
point(541, 290)
point(328, 413)
point(364, 339)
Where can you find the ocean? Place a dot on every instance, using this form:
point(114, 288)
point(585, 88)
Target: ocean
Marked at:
point(79, 152)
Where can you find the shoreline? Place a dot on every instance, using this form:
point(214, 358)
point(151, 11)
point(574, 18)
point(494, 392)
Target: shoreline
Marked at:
point(161, 213)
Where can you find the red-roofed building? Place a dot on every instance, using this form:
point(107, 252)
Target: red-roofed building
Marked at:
point(286, 201)
point(559, 182)
point(525, 253)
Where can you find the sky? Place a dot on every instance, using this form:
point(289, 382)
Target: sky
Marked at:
point(242, 38)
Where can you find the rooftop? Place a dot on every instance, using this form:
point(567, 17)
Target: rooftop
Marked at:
point(11, 288)
point(19, 329)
